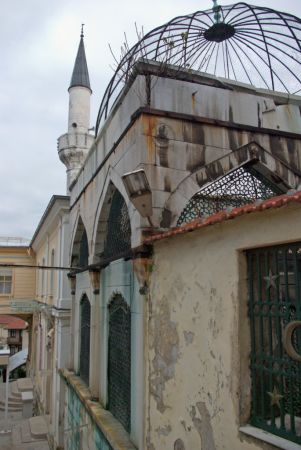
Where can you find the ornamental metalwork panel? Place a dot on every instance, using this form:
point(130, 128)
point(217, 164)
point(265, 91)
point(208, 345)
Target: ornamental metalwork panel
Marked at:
point(85, 320)
point(118, 238)
point(274, 276)
point(239, 187)
point(119, 361)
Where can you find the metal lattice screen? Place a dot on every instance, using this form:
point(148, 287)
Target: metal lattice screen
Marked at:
point(240, 187)
point(119, 361)
point(85, 321)
point(118, 238)
point(274, 275)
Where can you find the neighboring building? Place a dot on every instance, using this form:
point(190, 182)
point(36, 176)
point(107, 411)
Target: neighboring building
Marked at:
point(17, 291)
point(16, 284)
point(165, 352)
point(51, 321)
point(14, 332)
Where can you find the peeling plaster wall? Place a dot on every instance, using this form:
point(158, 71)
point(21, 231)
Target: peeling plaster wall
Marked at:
point(198, 342)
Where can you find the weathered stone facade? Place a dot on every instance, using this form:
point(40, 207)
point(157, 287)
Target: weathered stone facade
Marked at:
point(188, 300)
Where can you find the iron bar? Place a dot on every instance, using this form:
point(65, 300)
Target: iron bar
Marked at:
point(32, 266)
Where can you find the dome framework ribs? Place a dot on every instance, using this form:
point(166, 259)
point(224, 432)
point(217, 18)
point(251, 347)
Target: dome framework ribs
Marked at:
point(247, 44)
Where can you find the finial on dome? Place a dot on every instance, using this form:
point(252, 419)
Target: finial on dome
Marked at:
point(216, 10)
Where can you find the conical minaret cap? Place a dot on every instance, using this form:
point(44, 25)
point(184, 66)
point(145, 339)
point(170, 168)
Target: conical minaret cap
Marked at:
point(80, 75)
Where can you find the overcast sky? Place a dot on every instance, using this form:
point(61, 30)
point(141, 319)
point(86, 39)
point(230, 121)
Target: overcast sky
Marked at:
point(39, 41)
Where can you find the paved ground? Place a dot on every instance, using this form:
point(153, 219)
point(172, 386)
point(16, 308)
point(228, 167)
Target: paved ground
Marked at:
point(12, 441)
point(6, 439)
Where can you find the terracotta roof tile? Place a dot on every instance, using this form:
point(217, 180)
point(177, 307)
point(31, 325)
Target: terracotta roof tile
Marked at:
point(222, 216)
point(12, 322)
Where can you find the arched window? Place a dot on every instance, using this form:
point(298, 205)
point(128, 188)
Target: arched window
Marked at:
point(84, 357)
point(43, 279)
point(83, 250)
point(52, 273)
point(119, 361)
point(80, 248)
point(118, 238)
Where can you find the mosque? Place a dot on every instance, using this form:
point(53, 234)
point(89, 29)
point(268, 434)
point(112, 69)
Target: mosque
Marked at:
point(178, 323)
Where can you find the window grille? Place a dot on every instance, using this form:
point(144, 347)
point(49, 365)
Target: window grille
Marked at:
point(240, 187)
point(6, 277)
point(119, 361)
point(85, 320)
point(274, 275)
point(84, 251)
point(118, 238)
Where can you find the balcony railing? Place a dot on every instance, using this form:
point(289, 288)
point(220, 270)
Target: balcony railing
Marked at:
point(17, 340)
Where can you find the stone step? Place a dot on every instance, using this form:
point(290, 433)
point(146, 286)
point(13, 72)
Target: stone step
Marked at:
point(25, 384)
point(23, 439)
point(38, 427)
point(14, 390)
point(13, 404)
point(11, 401)
point(26, 433)
point(39, 445)
point(12, 408)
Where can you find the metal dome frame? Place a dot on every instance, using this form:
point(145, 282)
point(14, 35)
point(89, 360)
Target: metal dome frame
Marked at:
point(249, 44)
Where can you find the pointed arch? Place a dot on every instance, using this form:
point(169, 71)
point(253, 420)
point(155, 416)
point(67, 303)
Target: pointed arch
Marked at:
point(265, 167)
point(80, 247)
point(113, 233)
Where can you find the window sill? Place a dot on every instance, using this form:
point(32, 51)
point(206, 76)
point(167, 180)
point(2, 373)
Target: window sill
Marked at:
point(269, 437)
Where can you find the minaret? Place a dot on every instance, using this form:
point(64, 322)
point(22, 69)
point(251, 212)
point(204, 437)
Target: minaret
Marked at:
point(74, 146)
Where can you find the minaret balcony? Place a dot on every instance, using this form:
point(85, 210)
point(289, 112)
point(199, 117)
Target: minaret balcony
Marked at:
point(75, 140)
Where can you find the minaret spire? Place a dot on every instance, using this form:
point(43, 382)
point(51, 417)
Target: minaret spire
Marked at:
point(80, 74)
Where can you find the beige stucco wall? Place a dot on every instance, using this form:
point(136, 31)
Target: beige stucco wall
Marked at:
point(3, 334)
point(198, 332)
point(23, 282)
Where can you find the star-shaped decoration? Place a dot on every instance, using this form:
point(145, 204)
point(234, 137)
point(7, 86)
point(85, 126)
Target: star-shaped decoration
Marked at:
point(270, 280)
point(275, 397)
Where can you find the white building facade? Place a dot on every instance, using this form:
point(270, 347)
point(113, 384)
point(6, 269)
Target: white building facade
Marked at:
point(51, 319)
